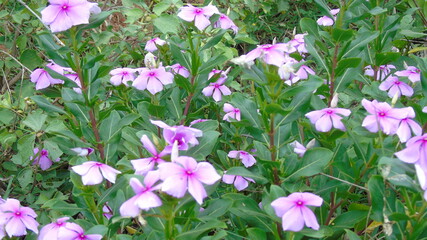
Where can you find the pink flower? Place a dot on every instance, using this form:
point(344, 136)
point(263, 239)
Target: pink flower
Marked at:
point(181, 70)
point(50, 231)
point(144, 198)
point(299, 43)
point(42, 79)
point(42, 159)
point(326, 118)
point(394, 86)
point(63, 14)
point(122, 75)
point(424, 110)
point(93, 172)
point(151, 45)
point(247, 159)
point(383, 71)
point(382, 115)
point(225, 22)
point(83, 152)
point(217, 89)
point(407, 124)
point(416, 153)
point(75, 78)
point(231, 112)
point(294, 211)
point(187, 174)
point(239, 182)
point(200, 16)
point(325, 21)
point(153, 79)
point(298, 148)
point(271, 53)
point(17, 219)
point(334, 11)
point(144, 165)
point(185, 137)
point(413, 74)
point(72, 231)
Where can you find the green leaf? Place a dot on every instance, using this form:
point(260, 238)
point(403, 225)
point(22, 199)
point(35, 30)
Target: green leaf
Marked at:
point(167, 24)
point(30, 59)
point(160, 7)
point(309, 41)
point(386, 58)
point(179, 56)
point(241, 171)
point(183, 83)
point(44, 104)
point(312, 163)
point(35, 120)
point(351, 235)
point(93, 61)
point(53, 148)
point(376, 190)
point(25, 177)
point(216, 208)
point(309, 86)
point(256, 233)
point(109, 126)
point(98, 229)
point(341, 35)
point(156, 110)
point(96, 20)
point(6, 116)
point(214, 40)
point(200, 229)
point(209, 125)
point(63, 207)
point(350, 218)
point(377, 10)
point(310, 26)
point(360, 43)
point(206, 143)
point(345, 64)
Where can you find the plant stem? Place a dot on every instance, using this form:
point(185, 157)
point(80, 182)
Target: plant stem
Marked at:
point(188, 103)
point(332, 80)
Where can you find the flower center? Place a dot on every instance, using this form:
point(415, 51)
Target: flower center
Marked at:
point(82, 236)
point(64, 7)
point(188, 172)
point(381, 114)
point(152, 74)
point(199, 10)
point(397, 82)
point(98, 164)
point(425, 139)
point(329, 112)
point(125, 73)
point(236, 110)
point(18, 213)
point(216, 85)
point(300, 203)
point(44, 153)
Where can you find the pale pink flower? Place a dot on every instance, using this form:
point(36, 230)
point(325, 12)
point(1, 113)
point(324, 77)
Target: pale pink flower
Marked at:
point(152, 79)
point(72, 231)
point(83, 152)
point(75, 78)
point(325, 21)
point(407, 126)
point(394, 86)
point(198, 121)
point(42, 79)
point(327, 118)
point(239, 182)
point(299, 149)
point(152, 44)
point(299, 43)
point(383, 71)
point(50, 231)
point(416, 153)
point(217, 89)
point(247, 159)
point(144, 198)
point(270, 53)
point(334, 12)
point(144, 165)
point(382, 115)
point(122, 75)
point(413, 74)
point(93, 172)
point(17, 219)
point(181, 70)
point(200, 15)
point(225, 22)
point(186, 174)
point(61, 15)
point(231, 113)
point(185, 137)
point(294, 211)
point(424, 110)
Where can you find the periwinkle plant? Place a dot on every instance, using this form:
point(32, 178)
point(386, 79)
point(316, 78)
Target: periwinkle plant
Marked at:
point(314, 119)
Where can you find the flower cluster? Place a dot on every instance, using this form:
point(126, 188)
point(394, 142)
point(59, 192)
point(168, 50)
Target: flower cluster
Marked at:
point(42, 78)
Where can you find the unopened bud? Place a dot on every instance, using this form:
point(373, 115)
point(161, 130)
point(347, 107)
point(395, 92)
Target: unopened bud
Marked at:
point(311, 143)
point(274, 41)
point(395, 98)
point(150, 60)
point(334, 101)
